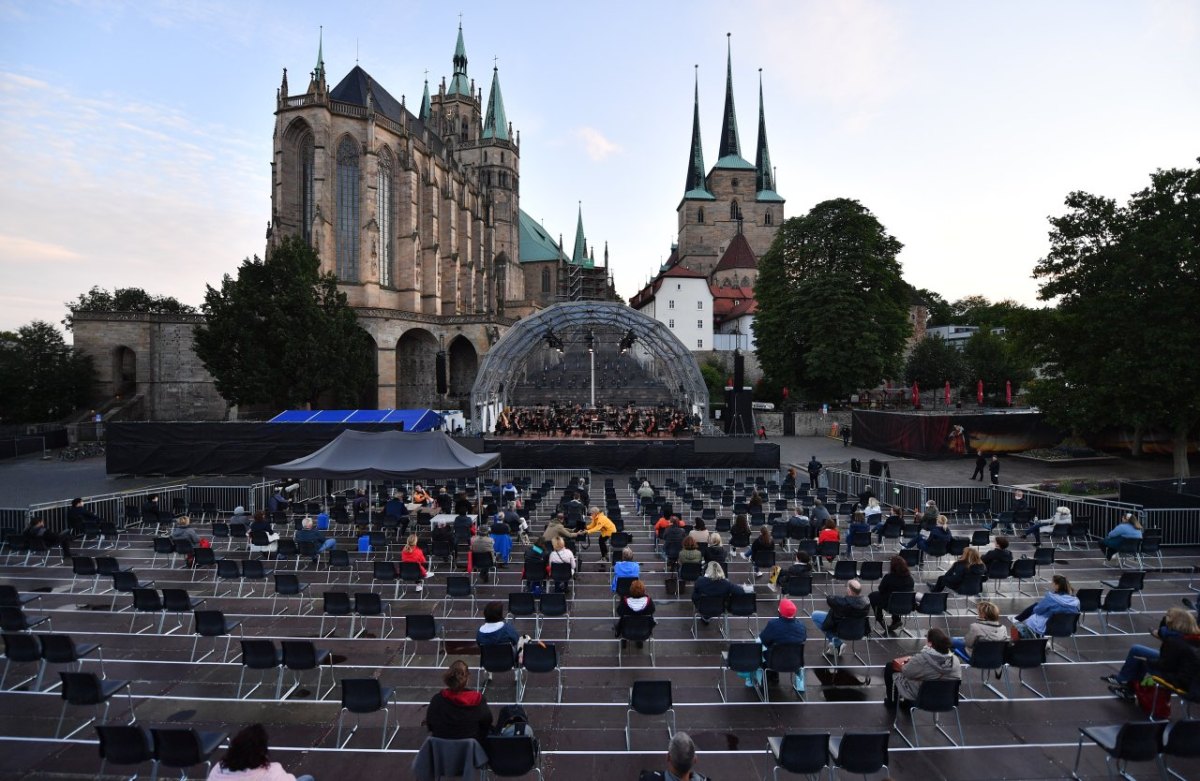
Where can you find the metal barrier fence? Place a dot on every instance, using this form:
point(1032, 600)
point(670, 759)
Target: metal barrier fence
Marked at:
point(888, 491)
point(225, 497)
point(13, 518)
point(110, 507)
point(1101, 514)
point(1180, 525)
point(560, 478)
point(949, 497)
point(659, 477)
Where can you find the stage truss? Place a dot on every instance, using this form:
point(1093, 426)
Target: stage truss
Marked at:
point(654, 343)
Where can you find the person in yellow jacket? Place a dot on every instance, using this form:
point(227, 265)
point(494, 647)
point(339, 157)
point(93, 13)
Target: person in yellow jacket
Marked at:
point(602, 524)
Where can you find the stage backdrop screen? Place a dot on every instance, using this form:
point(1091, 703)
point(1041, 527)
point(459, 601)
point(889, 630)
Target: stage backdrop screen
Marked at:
point(919, 435)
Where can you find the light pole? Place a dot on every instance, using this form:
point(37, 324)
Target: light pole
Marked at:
point(591, 345)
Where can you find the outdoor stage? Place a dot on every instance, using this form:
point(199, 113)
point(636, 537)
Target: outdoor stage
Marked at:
point(623, 456)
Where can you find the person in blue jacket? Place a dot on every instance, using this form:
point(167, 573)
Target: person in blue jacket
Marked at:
point(1031, 622)
point(1130, 528)
point(495, 630)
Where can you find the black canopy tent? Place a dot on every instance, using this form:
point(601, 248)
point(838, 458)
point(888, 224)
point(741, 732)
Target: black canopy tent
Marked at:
point(389, 454)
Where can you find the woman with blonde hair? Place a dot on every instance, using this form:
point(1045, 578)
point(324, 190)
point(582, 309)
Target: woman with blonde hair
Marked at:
point(987, 628)
point(413, 553)
point(1177, 626)
point(968, 564)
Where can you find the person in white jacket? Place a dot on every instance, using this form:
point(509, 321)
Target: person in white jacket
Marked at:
point(249, 759)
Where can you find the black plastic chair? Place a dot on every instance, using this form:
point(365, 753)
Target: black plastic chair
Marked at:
point(421, 627)
point(254, 571)
point(740, 658)
point(126, 582)
point(368, 604)
point(999, 571)
point(1027, 654)
point(870, 571)
point(14, 619)
point(84, 567)
point(744, 605)
point(860, 752)
point(410, 575)
point(933, 604)
point(228, 570)
point(212, 623)
point(989, 656)
point(61, 649)
point(259, 655)
point(936, 697)
point(1133, 741)
point(1135, 581)
point(458, 587)
point(845, 569)
point(185, 748)
point(637, 629)
point(362, 696)
point(782, 659)
point(900, 605)
point(650, 698)
point(22, 648)
point(1117, 600)
point(164, 546)
point(179, 602)
point(1060, 626)
point(852, 630)
point(539, 658)
point(496, 658)
point(335, 604)
point(799, 587)
point(802, 753)
point(512, 756)
point(289, 585)
point(706, 608)
point(124, 745)
point(87, 689)
point(1181, 739)
point(300, 656)
point(1090, 600)
point(553, 605)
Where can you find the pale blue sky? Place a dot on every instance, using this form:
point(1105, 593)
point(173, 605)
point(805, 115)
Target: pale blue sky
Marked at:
point(135, 137)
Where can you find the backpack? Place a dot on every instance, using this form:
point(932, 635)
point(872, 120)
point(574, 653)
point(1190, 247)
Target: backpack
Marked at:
point(513, 721)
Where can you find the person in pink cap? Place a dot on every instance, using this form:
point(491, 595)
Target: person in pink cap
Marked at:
point(785, 629)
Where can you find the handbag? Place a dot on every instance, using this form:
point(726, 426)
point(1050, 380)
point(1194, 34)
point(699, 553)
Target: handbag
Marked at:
point(1153, 703)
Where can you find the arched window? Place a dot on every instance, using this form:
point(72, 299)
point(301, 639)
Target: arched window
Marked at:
point(545, 280)
point(700, 214)
point(307, 168)
point(347, 210)
point(383, 208)
point(767, 219)
point(735, 211)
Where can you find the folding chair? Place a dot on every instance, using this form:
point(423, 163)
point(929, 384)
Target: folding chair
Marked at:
point(935, 697)
point(650, 698)
point(539, 658)
point(743, 659)
point(420, 627)
point(1133, 741)
point(362, 696)
point(87, 689)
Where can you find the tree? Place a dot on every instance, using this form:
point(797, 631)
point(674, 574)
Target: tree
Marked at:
point(714, 378)
point(832, 306)
point(42, 379)
point(1127, 328)
point(933, 362)
point(123, 299)
point(992, 358)
point(938, 308)
point(282, 334)
point(979, 311)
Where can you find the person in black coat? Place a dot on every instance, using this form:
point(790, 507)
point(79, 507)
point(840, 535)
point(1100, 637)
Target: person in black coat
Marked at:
point(980, 465)
point(77, 514)
point(969, 563)
point(998, 553)
point(897, 581)
point(456, 712)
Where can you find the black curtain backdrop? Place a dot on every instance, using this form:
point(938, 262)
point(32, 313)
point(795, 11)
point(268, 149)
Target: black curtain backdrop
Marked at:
point(1161, 493)
point(951, 436)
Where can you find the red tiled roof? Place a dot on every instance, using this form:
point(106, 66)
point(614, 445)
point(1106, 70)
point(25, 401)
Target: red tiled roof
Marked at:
point(646, 294)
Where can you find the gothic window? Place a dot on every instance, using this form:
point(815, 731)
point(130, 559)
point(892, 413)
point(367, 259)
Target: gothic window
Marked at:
point(464, 129)
point(700, 214)
point(767, 218)
point(734, 183)
point(545, 280)
point(383, 194)
point(734, 211)
point(307, 175)
point(347, 210)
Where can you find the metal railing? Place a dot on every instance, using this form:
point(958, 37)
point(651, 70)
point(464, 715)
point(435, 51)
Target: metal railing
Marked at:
point(225, 497)
point(660, 477)
point(1101, 514)
point(887, 490)
point(110, 507)
point(1180, 525)
point(561, 478)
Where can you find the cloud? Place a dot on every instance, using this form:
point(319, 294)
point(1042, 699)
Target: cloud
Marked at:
point(23, 250)
point(597, 146)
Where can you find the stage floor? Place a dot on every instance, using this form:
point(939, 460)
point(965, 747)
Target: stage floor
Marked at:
point(624, 456)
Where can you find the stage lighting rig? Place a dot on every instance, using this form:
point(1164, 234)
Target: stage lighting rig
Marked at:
point(627, 341)
point(553, 341)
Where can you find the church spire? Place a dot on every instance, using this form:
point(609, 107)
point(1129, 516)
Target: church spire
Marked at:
point(694, 186)
point(729, 131)
point(764, 174)
point(495, 124)
point(320, 70)
point(426, 104)
point(579, 257)
point(459, 83)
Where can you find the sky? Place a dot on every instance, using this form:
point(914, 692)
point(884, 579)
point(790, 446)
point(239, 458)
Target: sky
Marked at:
point(135, 137)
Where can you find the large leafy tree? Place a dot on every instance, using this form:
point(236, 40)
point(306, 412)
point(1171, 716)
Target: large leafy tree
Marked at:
point(123, 299)
point(996, 360)
point(932, 363)
point(282, 334)
point(1126, 335)
point(42, 379)
point(832, 306)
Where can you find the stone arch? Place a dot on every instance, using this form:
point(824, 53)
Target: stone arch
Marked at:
point(463, 366)
point(124, 371)
point(416, 381)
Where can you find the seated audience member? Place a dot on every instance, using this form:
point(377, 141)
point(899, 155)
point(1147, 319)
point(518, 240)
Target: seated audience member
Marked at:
point(829, 533)
point(690, 553)
point(939, 532)
point(39, 538)
point(456, 712)
point(681, 760)
point(902, 677)
point(852, 604)
point(897, 580)
point(263, 524)
point(445, 502)
point(716, 550)
point(818, 517)
point(1130, 528)
point(1179, 625)
point(562, 555)
point(1031, 622)
point(872, 511)
point(968, 564)
point(556, 529)
point(501, 533)
point(799, 568)
point(412, 553)
point(672, 541)
point(625, 568)
point(858, 523)
point(248, 758)
point(537, 557)
point(396, 510)
point(1061, 517)
point(713, 583)
point(77, 514)
point(999, 553)
point(481, 542)
point(309, 533)
point(762, 543)
point(636, 603)
point(241, 516)
point(988, 627)
point(798, 525)
point(183, 531)
point(784, 628)
point(699, 532)
point(495, 630)
point(645, 493)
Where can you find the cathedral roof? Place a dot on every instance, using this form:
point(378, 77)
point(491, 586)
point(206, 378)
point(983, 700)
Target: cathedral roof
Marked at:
point(459, 83)
point(495, 124)
point(580, 255)
point(535, 244)
point(737, 255)
point(729, 155)
point(695, 187)
point(354, 87)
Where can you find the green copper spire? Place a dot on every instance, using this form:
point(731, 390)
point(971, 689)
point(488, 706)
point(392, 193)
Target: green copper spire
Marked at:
point(459, 83)
point(729, 154)
point(426, 104)
point(694, 186)
point(580, 256)
point(764, 176)
point(495, 124)
point(319, 73)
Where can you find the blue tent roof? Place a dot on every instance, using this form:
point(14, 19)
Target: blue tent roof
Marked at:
point(413, 419)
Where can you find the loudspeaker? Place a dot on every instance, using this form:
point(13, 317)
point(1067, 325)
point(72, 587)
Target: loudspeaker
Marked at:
point(739, 371)
point(443, 387)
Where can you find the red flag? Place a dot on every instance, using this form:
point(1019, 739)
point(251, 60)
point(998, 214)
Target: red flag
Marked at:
point(947, 393)
point(1008, 392)
point(979, 392)
point(785, 393)
point(916, 395)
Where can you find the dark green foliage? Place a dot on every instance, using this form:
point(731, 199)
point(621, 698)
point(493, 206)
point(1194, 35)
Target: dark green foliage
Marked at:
point(42, 379)
point(123, 299)
point(714, 378)
point(932, 362)
point(995, 360)
point(832, 307)
point(938, 308)
point(282, 334)
point(1126, 334)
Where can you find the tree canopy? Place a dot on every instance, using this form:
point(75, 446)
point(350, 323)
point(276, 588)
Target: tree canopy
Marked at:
point(1126, 333)
point(996, 360)
point(123, 299)
point(42, 379)
point(932, 363)
point(283, 334)
point(832, 306)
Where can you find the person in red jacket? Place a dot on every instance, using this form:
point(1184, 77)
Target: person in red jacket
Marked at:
point(457, 712)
